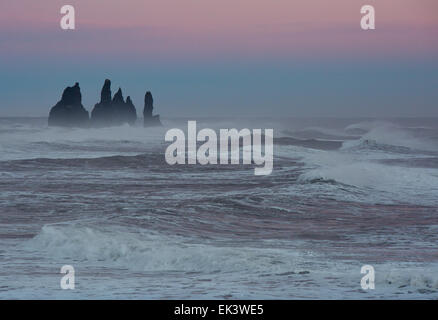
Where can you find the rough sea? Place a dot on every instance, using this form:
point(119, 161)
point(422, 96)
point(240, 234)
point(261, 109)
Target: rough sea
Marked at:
point(343, 193)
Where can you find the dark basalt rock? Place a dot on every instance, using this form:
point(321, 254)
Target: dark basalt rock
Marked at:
point(102, 114)
point(129, 113)
point(118, 98)
point(113, 112)
point(105, 94)
point(149, 119)
point(69, 111)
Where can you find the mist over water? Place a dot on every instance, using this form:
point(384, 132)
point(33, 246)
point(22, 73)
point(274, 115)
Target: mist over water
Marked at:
point(343, 193)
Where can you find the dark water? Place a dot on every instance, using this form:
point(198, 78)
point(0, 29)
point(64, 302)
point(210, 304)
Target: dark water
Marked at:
point(343, 193)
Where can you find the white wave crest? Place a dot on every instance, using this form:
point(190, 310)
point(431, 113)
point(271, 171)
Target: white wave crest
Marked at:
point(154, 252)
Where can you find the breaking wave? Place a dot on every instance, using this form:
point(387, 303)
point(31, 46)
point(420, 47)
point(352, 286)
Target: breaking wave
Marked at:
point(388, 135)
point(147, 251)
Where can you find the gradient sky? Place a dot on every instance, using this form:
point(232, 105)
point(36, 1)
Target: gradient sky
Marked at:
point(227, 57)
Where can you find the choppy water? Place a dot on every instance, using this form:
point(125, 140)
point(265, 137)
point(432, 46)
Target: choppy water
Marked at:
point(343, 193)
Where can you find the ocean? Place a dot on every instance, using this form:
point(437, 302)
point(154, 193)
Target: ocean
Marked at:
point(343, 193)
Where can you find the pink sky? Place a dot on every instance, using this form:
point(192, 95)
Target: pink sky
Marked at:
point(205, 55)
point(229, 15)
point(212, 27)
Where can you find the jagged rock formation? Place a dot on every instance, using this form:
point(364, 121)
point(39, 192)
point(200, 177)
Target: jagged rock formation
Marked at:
point(149, 119)
point(113, 112)
point(102, 114)
point(69, 111)
point(130, 113)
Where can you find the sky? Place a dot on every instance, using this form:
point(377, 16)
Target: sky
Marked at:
point(224, 58)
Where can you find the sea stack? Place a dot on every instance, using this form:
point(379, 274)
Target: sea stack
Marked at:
point(113, 112)
point(101, 115)
point(149, 119)
point(125, 112)
point(69, 111)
